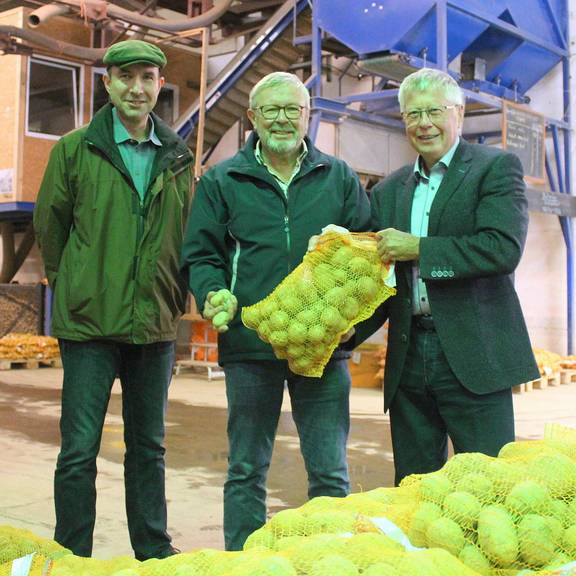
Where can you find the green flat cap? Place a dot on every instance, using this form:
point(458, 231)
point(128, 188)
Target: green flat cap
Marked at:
point(131, 52)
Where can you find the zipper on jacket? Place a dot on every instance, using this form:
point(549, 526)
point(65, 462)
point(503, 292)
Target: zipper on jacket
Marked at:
point(138, 210)
point(287, 232)
point(234, 263)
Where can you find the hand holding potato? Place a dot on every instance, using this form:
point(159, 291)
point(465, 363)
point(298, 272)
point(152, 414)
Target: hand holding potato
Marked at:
point(220, 307)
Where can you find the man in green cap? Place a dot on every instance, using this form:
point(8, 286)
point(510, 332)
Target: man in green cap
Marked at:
point(110, 219)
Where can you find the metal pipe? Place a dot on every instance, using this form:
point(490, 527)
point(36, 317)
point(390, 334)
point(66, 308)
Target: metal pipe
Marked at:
point(58, 47)
point(45, 13)
point(180, 25)
point(95, 55)
point(202, 99)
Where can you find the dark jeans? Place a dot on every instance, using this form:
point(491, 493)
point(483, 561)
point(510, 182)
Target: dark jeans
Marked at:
point(320, 408)
point(89, 371)
point(431, 405)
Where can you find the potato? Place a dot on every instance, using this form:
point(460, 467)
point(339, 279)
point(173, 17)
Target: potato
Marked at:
point(463, 508)
point(536, 540)
point(497, 536)
point(445, 533)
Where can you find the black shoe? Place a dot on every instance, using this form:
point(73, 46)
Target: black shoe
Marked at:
point(166, 553)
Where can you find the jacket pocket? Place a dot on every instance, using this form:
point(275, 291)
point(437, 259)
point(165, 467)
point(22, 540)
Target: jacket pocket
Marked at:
point(85, 284)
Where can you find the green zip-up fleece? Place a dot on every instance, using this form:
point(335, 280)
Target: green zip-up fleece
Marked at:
point(112, 261)
point(245, 235)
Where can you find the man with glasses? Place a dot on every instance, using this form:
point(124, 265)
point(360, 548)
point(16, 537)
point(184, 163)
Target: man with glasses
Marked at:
point(454, 223)
point(250, 224)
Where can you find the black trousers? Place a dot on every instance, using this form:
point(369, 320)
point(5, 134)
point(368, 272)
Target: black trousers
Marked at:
point(145, 372)
point(431, 405)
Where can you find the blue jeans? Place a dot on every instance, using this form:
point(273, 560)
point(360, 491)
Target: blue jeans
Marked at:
point(145, 372)
point(320, 408)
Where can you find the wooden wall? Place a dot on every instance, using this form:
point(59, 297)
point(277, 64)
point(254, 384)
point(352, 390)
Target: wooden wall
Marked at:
point(28, 155)
point(11, 115)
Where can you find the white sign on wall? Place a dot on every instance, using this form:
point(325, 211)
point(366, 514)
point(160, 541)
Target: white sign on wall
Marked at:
point(7, 184)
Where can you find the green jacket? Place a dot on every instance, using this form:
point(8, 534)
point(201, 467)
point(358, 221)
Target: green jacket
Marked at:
point(111, 261)
point(245, 235)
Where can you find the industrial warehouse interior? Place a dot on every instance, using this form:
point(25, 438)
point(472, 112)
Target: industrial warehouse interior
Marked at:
point(287, 288)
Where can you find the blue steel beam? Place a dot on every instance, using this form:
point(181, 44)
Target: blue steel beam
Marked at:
point(571, 320)
point(510, 29)
point(441, 35)
point(560, 33)
point(16, 211)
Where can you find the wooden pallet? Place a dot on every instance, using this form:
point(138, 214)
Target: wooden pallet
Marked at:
point(567, 376)
point(564, 376)
point(547, 380)
point(30, 363)
point(521, 388)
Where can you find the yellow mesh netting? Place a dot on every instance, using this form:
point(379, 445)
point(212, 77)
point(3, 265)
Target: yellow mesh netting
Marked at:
point(39, 566)
point(338, 284)
point(502, 515)
point(18, 542)
point(483, 516)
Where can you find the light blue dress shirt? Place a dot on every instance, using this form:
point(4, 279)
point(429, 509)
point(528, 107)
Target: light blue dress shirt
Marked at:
point(283, 184)
point(137, 156)
point(424, 195)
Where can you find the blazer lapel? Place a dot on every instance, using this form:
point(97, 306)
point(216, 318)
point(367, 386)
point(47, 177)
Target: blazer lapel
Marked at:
point(404, 218)
point(456, 172)
point(405, 204)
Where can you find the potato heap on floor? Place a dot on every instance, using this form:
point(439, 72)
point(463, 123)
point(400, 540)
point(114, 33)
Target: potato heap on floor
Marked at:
point(28, 347)
point(501, 515)
point(338, 284)
point(483, 516)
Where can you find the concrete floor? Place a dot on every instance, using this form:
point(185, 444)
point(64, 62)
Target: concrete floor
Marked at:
point(196, 454)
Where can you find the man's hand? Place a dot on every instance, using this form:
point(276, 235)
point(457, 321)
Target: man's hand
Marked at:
point(220, 307)
point(313, 241)
point(397, 246)
point(347, 335)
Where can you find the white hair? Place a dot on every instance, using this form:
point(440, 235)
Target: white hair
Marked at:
point(427, 79)
point(276, 79)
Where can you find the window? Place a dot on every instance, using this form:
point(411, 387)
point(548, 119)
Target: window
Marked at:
point(166, 107)
point(99, 94)
point(53, 98)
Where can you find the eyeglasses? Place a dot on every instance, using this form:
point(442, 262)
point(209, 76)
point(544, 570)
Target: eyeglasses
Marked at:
point(437, 113)
point(271, 112)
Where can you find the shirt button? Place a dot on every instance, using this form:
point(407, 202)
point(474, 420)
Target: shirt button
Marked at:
point(404, 338)
point(434, 274)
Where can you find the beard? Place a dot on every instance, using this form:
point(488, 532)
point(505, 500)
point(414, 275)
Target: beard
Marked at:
point(282, 146)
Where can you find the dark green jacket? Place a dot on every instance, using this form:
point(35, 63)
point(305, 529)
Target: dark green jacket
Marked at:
point(113, 262)
point(476, 235)
point(244, 235)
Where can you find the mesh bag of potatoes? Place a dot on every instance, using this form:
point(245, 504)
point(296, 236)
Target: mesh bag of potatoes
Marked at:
point(18, 542)
point(329, 515)
point(515, 514)
point(339, 283)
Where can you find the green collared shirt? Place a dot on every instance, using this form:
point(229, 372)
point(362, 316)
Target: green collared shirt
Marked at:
point(424, 195)
point(137, 156)
point(282, 183)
